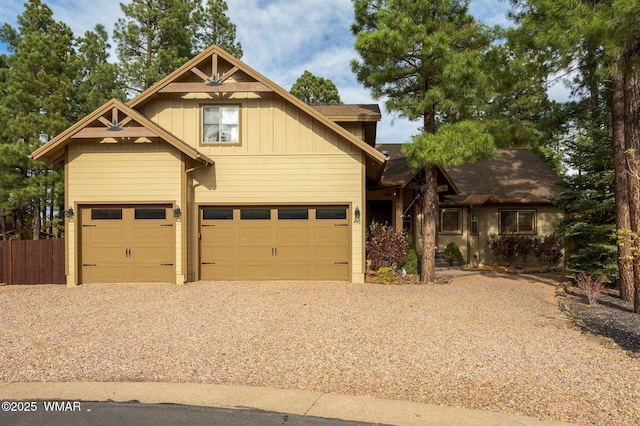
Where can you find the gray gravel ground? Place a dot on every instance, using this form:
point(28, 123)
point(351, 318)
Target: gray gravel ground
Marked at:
point(484, 341)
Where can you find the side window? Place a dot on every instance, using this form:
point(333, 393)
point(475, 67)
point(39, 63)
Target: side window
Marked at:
point(221, 124)
point(517, 221)
point(451, 221)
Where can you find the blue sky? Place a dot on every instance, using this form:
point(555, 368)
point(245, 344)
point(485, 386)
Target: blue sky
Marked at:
point(280, 39)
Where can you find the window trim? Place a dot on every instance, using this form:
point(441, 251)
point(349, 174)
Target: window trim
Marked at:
point(203, 143)
point(474, 219)
point(534, 231)
point(459, 230)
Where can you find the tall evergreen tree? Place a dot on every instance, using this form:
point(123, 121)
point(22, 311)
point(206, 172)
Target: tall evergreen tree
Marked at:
point(426, 59)
point(37, 104)
point(315, 90)
point(99, 80)
point(212, 26)
point(571, 33)
point(154, 38)
point(157, 36)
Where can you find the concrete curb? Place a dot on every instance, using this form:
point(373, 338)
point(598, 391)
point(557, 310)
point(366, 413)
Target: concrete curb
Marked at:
point(304, 403)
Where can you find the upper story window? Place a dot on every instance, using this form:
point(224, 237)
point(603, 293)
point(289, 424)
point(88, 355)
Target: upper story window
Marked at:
point(221, 124)
point(517, 221)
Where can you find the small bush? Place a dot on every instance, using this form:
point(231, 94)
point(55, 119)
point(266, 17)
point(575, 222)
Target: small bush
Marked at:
point(388, 275)
point(548, 249)
point(386, 247)
point(411, 266)
point(510, 249)
point(452, 252)
point(591, 288)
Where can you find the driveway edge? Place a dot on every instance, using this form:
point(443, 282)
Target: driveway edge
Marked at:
point(303, 403)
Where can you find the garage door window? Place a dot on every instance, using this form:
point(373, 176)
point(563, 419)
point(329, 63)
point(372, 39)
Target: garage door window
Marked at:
point(150, 214)
point(217, 214)
point(255, 214)
point(106, 214)
point(331, 213)
point(293, 214)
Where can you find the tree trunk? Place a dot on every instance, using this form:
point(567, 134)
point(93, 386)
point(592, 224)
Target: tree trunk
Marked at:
point(429, 228)
point(632, 142)
point(36, 220)
point(3, 227)
point(623, 218)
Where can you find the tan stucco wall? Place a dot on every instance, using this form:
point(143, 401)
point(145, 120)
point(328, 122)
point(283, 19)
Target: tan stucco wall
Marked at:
point(488, 223)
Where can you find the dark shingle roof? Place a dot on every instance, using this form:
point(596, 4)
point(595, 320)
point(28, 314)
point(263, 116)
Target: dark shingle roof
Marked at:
point(350, 112)
point(514, 176)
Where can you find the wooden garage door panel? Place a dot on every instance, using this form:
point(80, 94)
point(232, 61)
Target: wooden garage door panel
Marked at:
point(294, 252)
point(294, 233)
point(293, 245)
point(294, 272)
point(335, 253)
point(153, 273)
point(331, 272)
point(331, 233)
point(255, 233)
point(108, 274)
point(220, 272)
point(126, 245)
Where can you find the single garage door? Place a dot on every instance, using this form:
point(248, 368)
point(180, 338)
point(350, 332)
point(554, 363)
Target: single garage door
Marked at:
point(281, 243)
point(127, 244)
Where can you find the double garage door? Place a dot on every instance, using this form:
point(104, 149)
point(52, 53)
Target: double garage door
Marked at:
point(282, 243)
point(121, 244)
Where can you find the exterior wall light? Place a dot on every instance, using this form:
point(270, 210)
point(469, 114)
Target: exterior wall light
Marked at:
point(68, 213)
point(357, 215)
point(177, 213)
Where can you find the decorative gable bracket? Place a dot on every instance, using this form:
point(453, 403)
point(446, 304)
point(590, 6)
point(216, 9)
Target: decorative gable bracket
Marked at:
point(214, 83)
point(115, 128)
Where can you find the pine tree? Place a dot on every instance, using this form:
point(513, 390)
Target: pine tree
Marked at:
point(572, 34)
point(315, 90)
point(426, 59)
point(212, 26)
point(36, 105)
point(153, 39)
point(99, 80)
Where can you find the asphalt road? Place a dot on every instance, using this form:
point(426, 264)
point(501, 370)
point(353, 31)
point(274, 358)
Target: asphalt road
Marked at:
point(63, 413)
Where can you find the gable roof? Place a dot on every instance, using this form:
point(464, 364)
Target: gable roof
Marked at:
point(514, 176)
point(124, 122)
point(216, 83)
point(398, 172)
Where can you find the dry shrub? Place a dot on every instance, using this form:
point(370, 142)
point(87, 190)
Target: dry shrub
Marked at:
point(386, 247)
point(591, 288)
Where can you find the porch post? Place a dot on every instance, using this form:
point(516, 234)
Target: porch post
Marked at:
point(399, 207)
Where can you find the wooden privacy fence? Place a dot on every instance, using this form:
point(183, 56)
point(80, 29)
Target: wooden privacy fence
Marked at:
point(32, 262)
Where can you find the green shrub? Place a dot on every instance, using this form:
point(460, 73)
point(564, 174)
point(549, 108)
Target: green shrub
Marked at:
point(385, 246)
point(411, 266)
point(452, 252)
point(388, 275)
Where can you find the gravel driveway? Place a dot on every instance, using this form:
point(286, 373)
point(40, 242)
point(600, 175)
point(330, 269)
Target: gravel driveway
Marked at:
point(484, 341)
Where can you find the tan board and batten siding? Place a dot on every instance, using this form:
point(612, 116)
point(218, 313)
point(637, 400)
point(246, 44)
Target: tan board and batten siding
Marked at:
point(285, 158)
point(116, 174)
point(149, 152)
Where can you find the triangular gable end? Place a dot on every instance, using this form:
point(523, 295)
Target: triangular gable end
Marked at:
point(205, 74)
point(112, 122)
